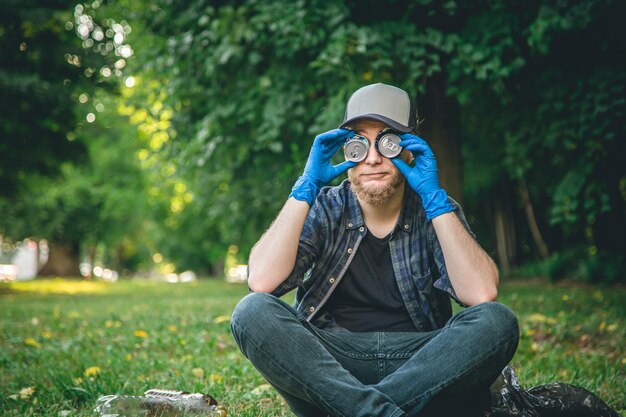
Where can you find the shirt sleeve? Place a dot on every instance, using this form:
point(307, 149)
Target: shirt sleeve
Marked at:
point(443, 282)
point(309, 248)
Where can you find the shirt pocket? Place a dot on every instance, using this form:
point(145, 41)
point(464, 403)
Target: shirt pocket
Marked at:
point(423, 283)
point(424, 288)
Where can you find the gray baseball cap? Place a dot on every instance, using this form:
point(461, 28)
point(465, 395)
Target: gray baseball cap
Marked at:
point(382, 102)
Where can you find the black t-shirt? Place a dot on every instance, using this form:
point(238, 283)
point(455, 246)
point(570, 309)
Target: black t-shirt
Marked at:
point(368, 299)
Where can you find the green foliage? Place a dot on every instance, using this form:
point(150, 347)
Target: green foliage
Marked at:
point(585, 264)
point(253, 82)
point(542, 96)
point(101, 201)
point(63, 179)
point(35, 88)
point(277, 74)
point(230, 95)
point(45, 67)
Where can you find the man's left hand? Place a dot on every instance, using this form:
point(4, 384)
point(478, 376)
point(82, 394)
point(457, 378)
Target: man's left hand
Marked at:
point(423, 177)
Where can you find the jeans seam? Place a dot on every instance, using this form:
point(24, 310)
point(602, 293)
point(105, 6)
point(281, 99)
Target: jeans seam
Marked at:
point(283, 369)
point(396, 355)
point(344, 352)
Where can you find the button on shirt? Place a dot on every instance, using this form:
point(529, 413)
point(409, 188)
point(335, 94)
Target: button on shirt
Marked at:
point(332, 232)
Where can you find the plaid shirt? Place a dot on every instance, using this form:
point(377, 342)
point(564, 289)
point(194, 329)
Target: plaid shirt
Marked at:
point(330, 238)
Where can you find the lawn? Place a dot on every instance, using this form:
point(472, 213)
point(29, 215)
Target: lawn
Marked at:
point(64, 343)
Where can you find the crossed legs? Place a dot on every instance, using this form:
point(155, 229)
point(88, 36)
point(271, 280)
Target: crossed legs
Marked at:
point(340, 373)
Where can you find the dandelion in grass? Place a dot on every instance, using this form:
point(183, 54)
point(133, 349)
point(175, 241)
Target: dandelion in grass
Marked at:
point(198, 372)
point(172, 328)
point(92, 371)
point(221, 319)
point(537, 318)
point(141, 333)
point(215, 379)
point(29, 341)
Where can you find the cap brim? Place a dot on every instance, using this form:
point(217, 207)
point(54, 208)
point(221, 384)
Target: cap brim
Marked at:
point(371, 116)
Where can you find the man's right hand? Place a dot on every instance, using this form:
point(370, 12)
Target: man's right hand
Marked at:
point(318, 170)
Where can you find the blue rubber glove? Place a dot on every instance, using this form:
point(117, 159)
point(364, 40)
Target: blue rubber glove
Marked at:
point(318, 170)
point(423, 177)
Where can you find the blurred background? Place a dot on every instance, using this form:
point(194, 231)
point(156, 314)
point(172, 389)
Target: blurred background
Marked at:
point(160, 138)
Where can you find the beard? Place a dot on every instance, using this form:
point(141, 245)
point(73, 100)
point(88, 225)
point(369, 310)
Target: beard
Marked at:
point(375, 195)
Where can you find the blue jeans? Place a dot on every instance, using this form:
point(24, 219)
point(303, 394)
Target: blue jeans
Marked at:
point(336, 372)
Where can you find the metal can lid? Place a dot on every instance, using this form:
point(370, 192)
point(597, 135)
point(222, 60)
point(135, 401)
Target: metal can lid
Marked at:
point(389, 145)
point(355, 149)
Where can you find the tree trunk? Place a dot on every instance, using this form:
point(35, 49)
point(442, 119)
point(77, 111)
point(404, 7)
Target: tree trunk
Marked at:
point(91, 253)
point(505, 234)
point(217, 268)
point(440, 118)
point(62, 261)
point(532, 222)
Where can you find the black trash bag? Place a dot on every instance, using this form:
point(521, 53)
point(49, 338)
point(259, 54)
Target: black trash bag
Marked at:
point(557, 399)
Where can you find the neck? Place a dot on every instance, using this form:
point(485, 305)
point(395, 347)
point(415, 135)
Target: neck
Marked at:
point(380, 219)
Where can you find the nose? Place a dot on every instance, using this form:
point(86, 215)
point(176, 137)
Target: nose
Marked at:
point(373, 157)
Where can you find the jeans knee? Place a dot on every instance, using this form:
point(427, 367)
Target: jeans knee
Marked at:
point(249, 308)
point(501, 321)
point(244, 318)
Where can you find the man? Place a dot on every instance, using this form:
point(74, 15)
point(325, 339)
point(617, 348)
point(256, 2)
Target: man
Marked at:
point(374, 260)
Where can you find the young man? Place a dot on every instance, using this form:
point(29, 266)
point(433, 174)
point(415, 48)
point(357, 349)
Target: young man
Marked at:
point(375, 261)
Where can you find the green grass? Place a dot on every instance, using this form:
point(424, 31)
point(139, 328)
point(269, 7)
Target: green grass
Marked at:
point(73, 341)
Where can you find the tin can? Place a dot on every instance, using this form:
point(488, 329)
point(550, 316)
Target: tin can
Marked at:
point(356, 148)
point(388, 145)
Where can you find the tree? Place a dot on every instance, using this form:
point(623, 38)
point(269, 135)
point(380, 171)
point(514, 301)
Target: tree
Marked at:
point(229, 96)
point(542, 93)
point(99, 203)
point(36, 84)
point(277, 74)
point(249, 84)
point(56, 173)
